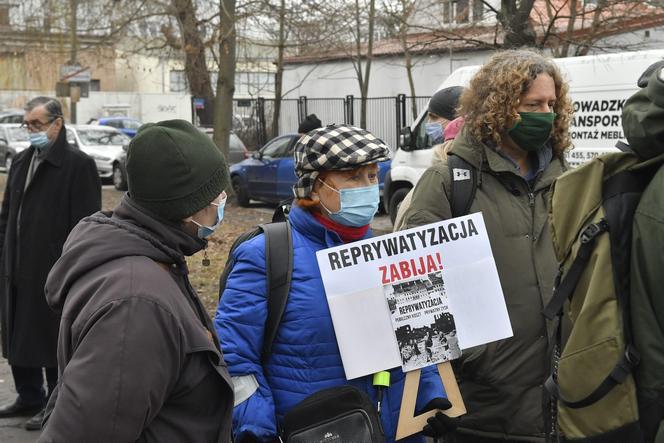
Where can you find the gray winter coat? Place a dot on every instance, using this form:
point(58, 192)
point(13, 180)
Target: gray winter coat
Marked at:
point(137, 354)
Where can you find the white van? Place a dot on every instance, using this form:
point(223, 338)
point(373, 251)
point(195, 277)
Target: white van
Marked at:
point(599, 86)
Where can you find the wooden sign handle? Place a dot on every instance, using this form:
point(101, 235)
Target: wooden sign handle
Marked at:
point(410, 424)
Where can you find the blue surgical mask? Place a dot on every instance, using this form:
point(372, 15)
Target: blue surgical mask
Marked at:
point(206, 231)
point(357, 205)
point(39, 140)
point(435, 132)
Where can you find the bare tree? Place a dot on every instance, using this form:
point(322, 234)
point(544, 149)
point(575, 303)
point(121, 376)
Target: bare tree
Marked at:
point(514, 18)
point(572, 28)
point(279, 74)
point(364, 17)
point(193, 47)
point(400, 13)
point(223, 103)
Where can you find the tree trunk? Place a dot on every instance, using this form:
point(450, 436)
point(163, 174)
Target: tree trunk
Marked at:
point(403, 32)
point(358, 68)
point(564, 50)
point(364, 90)
point(279, 75)
point(515, 20)
point(223, 103)
point(195, 61)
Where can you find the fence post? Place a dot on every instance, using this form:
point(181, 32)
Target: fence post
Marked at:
point(302, 110)
point(260, 111)
point(400, 114)
point(349, 116)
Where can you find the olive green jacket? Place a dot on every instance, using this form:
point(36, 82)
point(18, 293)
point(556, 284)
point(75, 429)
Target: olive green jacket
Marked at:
point(502, 382)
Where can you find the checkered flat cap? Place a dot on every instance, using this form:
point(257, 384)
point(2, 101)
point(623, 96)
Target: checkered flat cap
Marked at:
point(334, 148)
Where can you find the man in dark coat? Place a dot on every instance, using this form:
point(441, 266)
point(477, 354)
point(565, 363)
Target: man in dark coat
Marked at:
point(50, 187)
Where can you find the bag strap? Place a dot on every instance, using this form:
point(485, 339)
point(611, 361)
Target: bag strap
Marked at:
point(565, 288)
point(278, 269)
point(464, 185)
point(623, 368)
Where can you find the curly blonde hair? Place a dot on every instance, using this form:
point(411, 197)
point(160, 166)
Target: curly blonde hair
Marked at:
point(489, 104)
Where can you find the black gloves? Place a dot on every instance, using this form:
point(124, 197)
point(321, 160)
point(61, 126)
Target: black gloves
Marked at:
point(440, 424)
point(247, 438)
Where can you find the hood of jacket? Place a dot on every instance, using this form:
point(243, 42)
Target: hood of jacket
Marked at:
point(643, 119)
point(102, 237)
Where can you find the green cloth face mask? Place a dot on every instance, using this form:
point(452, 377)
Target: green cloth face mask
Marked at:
point(533, 130)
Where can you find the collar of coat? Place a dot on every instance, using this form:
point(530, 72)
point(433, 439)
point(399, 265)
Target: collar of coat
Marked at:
point(306, 224)
point(55, 153)
point(487, 160)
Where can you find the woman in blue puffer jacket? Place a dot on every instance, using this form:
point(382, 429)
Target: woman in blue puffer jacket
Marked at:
point(336, 198)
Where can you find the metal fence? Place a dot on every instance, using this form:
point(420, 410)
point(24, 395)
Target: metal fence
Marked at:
point(253, 118)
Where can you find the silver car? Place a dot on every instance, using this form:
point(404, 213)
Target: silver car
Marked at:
point(13, 139)
point(107, 146)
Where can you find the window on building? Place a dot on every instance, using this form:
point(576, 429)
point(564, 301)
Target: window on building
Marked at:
point(462, 11)
point(478, 10)
point(178, 81)
point(95, 85)
point(458, 11)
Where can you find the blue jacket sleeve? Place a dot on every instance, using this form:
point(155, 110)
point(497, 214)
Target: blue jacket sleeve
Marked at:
point(240, 323)
point(431, 386)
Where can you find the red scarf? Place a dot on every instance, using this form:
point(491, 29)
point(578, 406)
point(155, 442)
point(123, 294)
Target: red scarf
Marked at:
point(346, 233)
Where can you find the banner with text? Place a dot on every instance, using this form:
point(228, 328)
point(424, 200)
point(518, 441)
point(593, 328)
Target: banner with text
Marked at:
point(414, 298)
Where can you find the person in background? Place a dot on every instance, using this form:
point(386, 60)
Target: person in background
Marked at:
point(517, 114)
point(451, 130)
point(309, 123)
point(441, 111)
point(138, 356)
point(50, 187)
point(336, 197)
point(441, 128)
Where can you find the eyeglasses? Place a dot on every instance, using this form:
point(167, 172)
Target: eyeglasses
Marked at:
point(36, 125)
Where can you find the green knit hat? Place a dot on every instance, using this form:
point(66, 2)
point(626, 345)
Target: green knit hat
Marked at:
point(174, 170)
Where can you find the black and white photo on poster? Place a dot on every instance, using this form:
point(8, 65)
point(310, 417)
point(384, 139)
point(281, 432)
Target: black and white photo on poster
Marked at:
point(422, 321)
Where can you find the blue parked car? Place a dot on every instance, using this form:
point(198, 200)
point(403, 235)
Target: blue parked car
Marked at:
point(127, 125)
point(269, 174)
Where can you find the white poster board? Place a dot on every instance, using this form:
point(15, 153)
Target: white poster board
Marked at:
point(357, 277)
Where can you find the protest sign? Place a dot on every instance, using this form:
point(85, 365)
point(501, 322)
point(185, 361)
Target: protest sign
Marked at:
point(414, 297)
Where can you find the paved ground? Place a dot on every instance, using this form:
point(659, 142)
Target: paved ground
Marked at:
point(11, 429)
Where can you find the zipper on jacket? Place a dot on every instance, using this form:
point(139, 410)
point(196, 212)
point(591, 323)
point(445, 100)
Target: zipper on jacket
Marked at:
point(531, 200)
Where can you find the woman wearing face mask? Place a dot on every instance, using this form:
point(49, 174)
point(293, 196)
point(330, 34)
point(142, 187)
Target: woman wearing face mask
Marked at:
point(138, 356)
point(517, 114)
point(336, 197)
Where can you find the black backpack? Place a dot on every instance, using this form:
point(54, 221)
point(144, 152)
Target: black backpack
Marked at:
point(464, 185)
point(279, 268)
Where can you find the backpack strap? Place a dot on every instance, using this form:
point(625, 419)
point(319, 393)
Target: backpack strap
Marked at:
point(464, 185)
point(623, 368)
point(279, 269)
point(564, 289)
